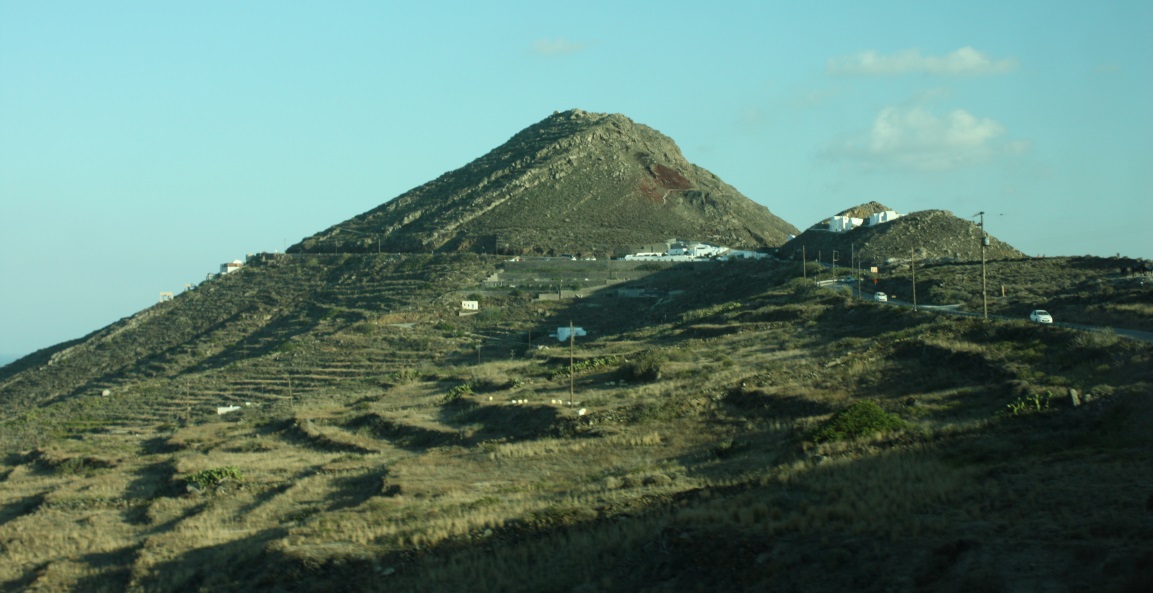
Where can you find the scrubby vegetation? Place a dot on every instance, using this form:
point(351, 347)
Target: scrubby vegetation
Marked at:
point(734, 428)
point(861, 419)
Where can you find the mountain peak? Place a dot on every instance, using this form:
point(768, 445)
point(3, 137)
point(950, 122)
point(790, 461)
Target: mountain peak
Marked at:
point(576, 181)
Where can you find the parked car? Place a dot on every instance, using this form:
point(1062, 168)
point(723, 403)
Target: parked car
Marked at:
point(1041, 316)
point(880, 297)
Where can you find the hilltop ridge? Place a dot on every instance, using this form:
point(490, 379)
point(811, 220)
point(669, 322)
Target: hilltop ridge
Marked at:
point(929, 234)
point(575, 182)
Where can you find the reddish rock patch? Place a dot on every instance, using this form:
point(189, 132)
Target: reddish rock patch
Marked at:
point(669, 178)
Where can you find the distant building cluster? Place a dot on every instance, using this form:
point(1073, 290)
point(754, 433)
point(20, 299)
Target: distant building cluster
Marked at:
point(232, 266)
point(677, 250)
point(840, 224)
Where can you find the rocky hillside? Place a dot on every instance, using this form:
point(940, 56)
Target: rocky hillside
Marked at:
point(576, 182)
point(930, 234)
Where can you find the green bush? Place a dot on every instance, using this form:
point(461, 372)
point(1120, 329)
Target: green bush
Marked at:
point(585, 365)
point(458, 392)
point(210, 479)
point(645, 366)
point(862, 418)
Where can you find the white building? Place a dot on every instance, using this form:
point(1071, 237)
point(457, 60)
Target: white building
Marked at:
point(695, 249)
point(883, 217)
point(470, 305)
point(840, 224)
point(231, 266)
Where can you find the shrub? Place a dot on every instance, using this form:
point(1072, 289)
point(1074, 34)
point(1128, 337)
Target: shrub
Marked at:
point(213, 478)
point(645, 366)
point(585, 365)
point(458, 392)
point(862, 418)
point(1033, 402)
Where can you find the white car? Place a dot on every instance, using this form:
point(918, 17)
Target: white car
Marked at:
point(880, 297)
point(1041, 316)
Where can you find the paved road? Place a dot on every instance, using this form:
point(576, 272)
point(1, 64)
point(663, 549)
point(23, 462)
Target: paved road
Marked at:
point(955, 310)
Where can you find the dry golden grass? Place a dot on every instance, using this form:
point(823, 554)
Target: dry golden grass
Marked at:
point(715, 447)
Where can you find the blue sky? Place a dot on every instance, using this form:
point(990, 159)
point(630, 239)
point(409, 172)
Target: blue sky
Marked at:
point(144, 143)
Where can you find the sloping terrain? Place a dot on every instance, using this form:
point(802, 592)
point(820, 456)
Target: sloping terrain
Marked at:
point(576, 183)
point(733, 428)
point(929, 234)
point(272, 307)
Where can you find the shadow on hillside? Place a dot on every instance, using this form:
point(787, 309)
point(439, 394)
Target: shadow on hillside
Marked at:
point(151, 481)
point(261, 341)
point(165, 362)
point(20, 507)
point(669, 293)
point(923, 368)
point(413, 438)
point(25, 581)
point(499, 422)
point(354, 490)
point(237, 565)
point(751, 402)
point(158, 446)
point(111, 571)
point(268, 494)
point(860, 319)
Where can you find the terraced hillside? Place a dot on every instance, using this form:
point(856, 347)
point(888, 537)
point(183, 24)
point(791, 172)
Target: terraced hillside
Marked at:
point(742, 430)
point(217, 340)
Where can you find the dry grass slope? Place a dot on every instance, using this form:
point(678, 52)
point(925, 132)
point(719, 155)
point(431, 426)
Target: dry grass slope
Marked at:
point(362, 463)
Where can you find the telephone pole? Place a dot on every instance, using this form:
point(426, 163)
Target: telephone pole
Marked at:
point(571, 380)
point(859, 297)
point(913, 265)
point(852, 262)
point(984, 243)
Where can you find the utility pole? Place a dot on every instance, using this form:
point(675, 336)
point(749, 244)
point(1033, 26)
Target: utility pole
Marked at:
point(804, 264)
point(834, 265)
point(984, 243)
point(571, 380)
point(859, 279)
point(859, 272)
point(913, 265)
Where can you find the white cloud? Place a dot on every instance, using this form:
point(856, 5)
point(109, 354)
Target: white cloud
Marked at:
point(557, 46)
point(915, 138)
point(962, 62)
